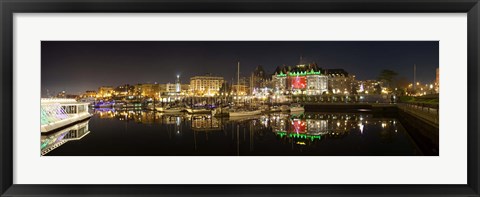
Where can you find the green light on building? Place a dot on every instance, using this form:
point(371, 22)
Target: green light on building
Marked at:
point(281, 74)
point(312, 72)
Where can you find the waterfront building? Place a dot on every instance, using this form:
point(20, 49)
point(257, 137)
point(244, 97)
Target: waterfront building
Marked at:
point(177, 85)
point(369, 87)
point(124, 90)
point(105, 91)
point(63, 94)
point(151, 90)
point(339, 81)
point(90, 93)
point(171, 88)
point(240, 89)
point(88, 97)
point(307, 79)
point(206, 85)
point(258, 79)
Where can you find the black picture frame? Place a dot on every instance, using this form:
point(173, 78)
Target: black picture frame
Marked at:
point(9, 7)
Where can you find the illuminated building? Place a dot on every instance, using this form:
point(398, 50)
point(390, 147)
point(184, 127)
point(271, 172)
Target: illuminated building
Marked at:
point(124, 90)
point(301, 79)
point(88, 97)
point(258, 78)
point(105, 91)
point(177, 85)
point(171, 88)
point(368, 87)
point(339, 81)
point(174, 88)
point(90, 93)
point(240, 89)
point(148, 90)
point(62, 94)
point(206, 85)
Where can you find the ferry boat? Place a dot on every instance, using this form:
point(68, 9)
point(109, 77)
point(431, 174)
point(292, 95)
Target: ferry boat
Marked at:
point(57, 113)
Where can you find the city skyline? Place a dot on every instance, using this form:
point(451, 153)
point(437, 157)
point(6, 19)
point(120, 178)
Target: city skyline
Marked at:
point(92, 64)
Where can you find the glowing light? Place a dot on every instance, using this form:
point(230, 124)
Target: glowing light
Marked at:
point(281, 74)
point(360, 125)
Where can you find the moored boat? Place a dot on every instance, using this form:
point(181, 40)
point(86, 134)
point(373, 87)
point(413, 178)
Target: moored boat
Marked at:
point(244, 112)
point(275, 109)
point(170, 109)
point(221, 111)
point(296, 108)
point(198, 110)
point(292, 108)
point(58, 113)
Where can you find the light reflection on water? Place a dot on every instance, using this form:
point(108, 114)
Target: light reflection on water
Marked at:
point(146, 133)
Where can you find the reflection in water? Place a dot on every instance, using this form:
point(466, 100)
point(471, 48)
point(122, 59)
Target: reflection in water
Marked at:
point(51, 141)
point(149, 133)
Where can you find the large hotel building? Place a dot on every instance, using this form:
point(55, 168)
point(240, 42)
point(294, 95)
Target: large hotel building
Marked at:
point(206, 85)
point(306, 79)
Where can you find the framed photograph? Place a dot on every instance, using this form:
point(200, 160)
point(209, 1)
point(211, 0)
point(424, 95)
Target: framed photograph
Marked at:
point(126, 98)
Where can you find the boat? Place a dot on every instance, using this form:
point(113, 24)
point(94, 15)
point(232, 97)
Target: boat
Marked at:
point(292, 108)
point(52, 140)
point(174, 110)
point(221, 111)
point(296, 108)
point(198, 110)
point(275, 109)
point(243, 118)
point(133, 105)
point(284, 108)
point(170, 109)
point(241, 112)
point(265, 108)
point(56, 113)
point(120, 105)
point(104, 104)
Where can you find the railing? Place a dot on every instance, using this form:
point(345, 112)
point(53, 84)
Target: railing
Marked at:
point(429, 112)
point(56, 100)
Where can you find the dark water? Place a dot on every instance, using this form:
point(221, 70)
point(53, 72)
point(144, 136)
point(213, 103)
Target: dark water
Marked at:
point(144, 133)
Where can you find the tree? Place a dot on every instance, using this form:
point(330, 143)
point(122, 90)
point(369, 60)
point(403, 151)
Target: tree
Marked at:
point(387, 77)
point(401, 83)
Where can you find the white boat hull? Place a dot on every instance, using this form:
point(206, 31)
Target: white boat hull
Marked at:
point(245, 113)
point(173, 110)
point(198, 111)
point(64, 122)
point(297, 109)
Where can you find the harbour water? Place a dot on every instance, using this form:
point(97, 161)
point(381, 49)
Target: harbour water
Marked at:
point(146, 133)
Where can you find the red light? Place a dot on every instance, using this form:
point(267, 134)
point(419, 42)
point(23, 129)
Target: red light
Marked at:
point(299, 82)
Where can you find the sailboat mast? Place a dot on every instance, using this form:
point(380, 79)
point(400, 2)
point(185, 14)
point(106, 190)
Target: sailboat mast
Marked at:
point(414, 76)
point(238, 77)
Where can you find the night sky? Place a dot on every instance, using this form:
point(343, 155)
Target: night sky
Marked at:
point(77, 66)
